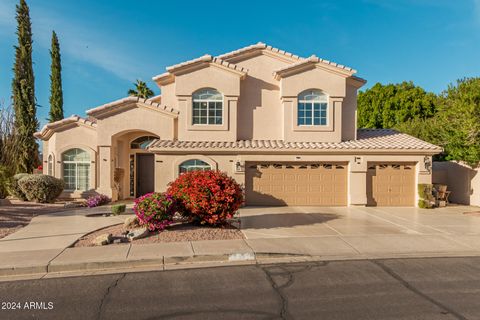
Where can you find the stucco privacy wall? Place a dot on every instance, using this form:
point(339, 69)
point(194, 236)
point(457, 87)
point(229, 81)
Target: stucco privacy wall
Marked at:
point(166, 168)
point(461, 180)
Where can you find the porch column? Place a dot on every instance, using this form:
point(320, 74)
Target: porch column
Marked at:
point(357, 178)
point(105, 171)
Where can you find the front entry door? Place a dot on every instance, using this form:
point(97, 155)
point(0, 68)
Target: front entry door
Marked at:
point(145, 174)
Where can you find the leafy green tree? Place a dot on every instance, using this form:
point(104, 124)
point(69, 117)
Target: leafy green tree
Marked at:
point(456, 125)
point(141, 90)
point(460, 118)
point(56, 92)
point(384, 106)
point(23, 90)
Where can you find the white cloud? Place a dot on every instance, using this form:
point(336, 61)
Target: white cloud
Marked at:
point(82, 43)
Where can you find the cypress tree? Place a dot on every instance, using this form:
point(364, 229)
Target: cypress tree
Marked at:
point(56, 92)
point(23, 90)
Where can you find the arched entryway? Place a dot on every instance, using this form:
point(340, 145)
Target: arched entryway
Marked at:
point(134, 165)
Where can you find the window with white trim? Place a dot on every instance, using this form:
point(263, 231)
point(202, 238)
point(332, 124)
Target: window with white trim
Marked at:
point(142, 142)
point(207, 108)
point(194, 165)
point(312, 108)
point(76, 169)
point(50, 165)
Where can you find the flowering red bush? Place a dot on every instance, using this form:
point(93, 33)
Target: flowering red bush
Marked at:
point(155, 210)
point(207, 197)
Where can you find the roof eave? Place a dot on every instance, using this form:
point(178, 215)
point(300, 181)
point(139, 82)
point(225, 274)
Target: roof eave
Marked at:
point(421, 152)
point(122, 104)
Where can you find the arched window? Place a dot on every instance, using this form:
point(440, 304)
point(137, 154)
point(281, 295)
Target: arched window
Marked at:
point(142, 142)
point(76, 169)
point(312, 108)
point(193, 165)
point(50, 165)
point(207, 107)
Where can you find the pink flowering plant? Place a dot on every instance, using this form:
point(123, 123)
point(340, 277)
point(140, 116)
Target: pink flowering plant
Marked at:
point(97, 200)
point(155, 210)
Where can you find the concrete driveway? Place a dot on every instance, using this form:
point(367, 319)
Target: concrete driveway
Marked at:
point(371, 232)
point(279, 222)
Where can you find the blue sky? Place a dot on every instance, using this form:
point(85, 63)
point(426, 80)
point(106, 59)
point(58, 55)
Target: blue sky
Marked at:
point(106, 45)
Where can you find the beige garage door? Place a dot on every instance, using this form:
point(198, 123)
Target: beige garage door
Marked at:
point(391, 184)
point(306, 184)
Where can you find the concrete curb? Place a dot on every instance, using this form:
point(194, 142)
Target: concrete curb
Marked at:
point(195, 261)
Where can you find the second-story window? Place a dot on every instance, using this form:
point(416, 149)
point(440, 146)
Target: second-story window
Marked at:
point(207, 107)
point(312, 108)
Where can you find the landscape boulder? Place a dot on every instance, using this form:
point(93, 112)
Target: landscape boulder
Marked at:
point(103, 239)
point(137, 233)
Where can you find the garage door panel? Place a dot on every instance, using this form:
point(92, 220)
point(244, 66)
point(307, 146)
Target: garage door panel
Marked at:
point(391, 184)
point(296, 184)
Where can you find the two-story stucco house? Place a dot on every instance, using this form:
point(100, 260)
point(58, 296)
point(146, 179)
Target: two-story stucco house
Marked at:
point(283, 126)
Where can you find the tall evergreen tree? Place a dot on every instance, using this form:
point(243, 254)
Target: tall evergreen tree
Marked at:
point(23, 90)
point(56, 92)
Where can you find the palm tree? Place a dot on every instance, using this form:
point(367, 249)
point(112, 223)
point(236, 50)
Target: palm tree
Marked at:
point(141, 90)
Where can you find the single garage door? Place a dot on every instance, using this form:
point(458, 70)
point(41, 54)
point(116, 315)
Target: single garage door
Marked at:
point(296, 184)
point(391, 184)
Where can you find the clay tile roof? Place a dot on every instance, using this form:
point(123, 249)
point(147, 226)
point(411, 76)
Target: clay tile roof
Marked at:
point(368, 140)
point(206, 58)
point(127, 101)
point(201, 60)
point(313, 60)
point(49, 128)
point(257, 46)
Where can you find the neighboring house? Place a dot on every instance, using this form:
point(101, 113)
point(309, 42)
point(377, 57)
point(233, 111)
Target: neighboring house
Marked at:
point(283, 126)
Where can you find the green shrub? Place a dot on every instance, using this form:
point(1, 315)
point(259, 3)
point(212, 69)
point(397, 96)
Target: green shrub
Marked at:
point(425, 193)
point(424, 204)
point(118, 209)
point(14, 188)
point(41, 187)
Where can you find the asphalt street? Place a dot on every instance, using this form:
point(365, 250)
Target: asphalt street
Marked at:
point(423, 288)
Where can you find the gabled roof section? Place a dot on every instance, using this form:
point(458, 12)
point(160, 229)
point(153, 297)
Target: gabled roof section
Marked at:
point(312, 62)
point(195, 64)
point(50, 128)
point(260, 46)
point(130, 102)
point(376, 141)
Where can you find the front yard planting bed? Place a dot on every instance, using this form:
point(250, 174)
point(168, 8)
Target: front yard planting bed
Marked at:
point(174, 233)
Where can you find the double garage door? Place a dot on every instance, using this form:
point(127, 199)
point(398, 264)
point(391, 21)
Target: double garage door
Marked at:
point(296, 184)
point(325, 184)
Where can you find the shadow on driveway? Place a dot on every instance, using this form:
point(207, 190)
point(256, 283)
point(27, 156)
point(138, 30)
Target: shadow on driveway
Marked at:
point(285, 220)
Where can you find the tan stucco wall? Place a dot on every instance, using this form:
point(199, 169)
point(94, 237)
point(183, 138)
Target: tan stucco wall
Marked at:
point(349, 114)
point(260, 112)
point(461, 180)
point(261, 107)
point(224, 81)
point(166, 168)
point(77, 136)
point(133, 120)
